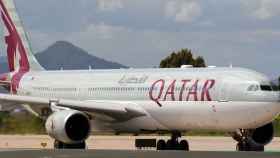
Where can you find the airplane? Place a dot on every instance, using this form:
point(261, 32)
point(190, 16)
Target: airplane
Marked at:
point(239, 101)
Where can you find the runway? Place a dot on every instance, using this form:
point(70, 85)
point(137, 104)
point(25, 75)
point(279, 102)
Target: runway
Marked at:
point(40, 146)
point(123, 143)
point(132, 154)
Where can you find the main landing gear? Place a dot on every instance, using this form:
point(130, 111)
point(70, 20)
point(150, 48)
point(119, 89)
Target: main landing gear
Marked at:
point(245, 142)
point(61, 145)
point(173, 143)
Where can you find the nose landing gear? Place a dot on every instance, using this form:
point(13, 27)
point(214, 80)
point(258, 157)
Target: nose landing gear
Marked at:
point(249, 146)
point(245, 142)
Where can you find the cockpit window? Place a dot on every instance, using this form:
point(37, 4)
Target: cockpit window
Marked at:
point(253, 88)
point(275, 87)
point(263, 87)
point(266, 88)
point(250, 88)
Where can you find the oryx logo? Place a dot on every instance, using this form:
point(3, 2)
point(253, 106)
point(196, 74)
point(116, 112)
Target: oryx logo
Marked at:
point(15, 48)
point(16, 52)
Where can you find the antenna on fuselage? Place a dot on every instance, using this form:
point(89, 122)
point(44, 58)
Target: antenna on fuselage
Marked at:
point(230, 65)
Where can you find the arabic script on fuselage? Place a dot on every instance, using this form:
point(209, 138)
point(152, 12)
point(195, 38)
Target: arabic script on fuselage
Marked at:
point(133, 79)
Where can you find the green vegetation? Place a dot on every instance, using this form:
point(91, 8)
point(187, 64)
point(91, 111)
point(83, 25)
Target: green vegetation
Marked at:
point(29, 124)
point(277, 126)
point(182, 57)
point(26, 124)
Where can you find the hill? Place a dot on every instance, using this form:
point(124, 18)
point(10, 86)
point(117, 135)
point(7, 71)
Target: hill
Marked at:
point(65, 55)
point(69, 57)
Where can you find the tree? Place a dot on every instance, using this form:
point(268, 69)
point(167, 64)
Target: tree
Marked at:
point(199, 62)
point(182, 57)
point(279, 83)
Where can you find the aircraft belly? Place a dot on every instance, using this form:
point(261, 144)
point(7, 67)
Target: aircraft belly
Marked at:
point(226, 116)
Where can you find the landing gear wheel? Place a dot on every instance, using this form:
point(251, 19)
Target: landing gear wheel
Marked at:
point(161, 145)
point(256, 147)
point(247, 146)
point(61, 145)
point(184, 145)
point(242, 146)
point(173, 143)
point(58, 144)
point(169, 145)
point(245, 141)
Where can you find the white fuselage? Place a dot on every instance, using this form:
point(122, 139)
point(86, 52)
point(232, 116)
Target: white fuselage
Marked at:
point(173, 99)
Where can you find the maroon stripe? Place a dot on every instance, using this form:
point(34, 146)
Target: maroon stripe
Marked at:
point(14, 42)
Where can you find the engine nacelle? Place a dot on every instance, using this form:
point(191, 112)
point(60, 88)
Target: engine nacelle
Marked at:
point(263, 135)
point(68, 126)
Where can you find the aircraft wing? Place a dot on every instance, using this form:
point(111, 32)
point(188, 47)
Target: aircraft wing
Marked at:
point(119, 111)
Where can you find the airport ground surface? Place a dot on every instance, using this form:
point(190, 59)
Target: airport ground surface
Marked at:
point(123, 142)
point(132, 154)
point(29, 146)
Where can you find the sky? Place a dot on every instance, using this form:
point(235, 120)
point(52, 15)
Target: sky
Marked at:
point(244, 33)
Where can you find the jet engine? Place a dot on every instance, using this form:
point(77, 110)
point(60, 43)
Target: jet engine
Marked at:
point(68, 126)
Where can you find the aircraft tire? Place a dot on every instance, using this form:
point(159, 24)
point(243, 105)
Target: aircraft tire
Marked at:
point(61, 145)
point(58, 144)
point(245, 146)
point(161, 145)
point(184, 145)
point(169, 145)
point(259, 148)
point(242, 146)
point(173, 145)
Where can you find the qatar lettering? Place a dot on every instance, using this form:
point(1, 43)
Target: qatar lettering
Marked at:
point(181, 90)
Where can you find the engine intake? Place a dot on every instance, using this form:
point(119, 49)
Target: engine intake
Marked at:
point(68, 126)
point(263, 135)
point(74, 122)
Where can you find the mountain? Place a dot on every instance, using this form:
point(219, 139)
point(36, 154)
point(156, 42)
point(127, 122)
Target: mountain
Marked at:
point(69, 57)
point(65, 55)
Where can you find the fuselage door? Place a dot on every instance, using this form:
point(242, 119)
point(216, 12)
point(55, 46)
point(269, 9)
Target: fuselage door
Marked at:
point(224, 92)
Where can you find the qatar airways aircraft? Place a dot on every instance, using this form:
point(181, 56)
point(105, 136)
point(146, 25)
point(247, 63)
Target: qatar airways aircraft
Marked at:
point(75, 103)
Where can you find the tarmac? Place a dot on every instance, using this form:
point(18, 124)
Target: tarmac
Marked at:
point(132, 154)
point(124, 142)
point(41, 146)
